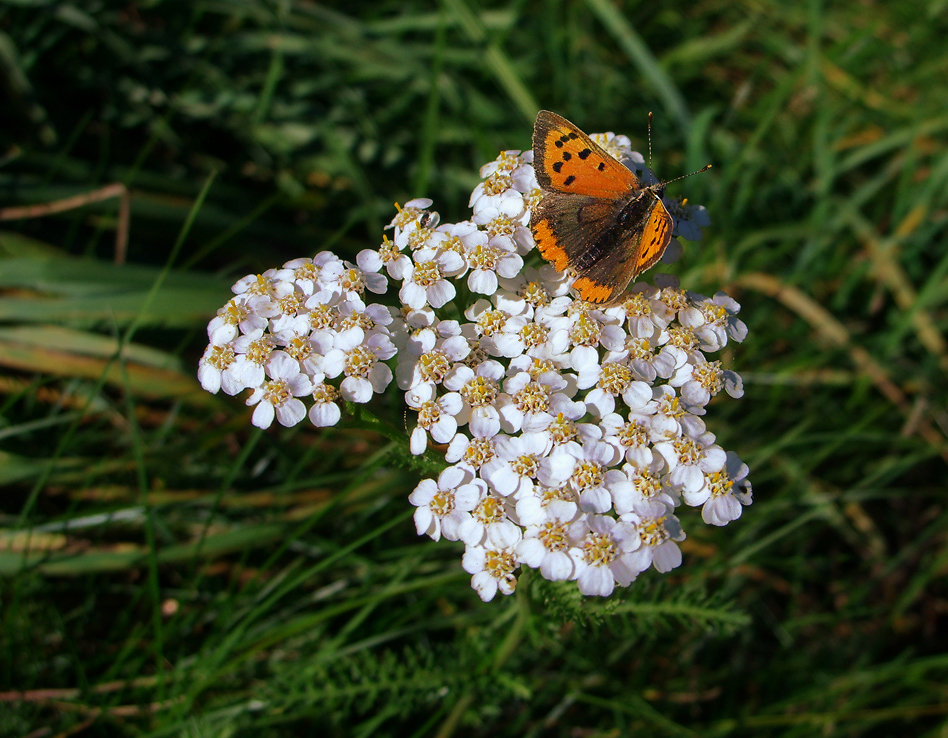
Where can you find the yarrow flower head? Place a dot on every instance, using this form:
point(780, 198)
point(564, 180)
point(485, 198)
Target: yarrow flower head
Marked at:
point(573, 434)
point(289, 331)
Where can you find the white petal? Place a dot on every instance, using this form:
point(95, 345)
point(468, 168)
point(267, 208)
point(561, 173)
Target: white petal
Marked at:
point(596, 580)
point(418, 441)
point(504, 534)
point(557, 566)
point(356, 389)
point(263, 415)
point(666, 556)
point(440, 293)
point(290, 412)
point(485, 422)
point(485, 585)
point(482, 281)
point(324, 414)
point(413, 295)
point(531, 552)
point(444, 428)
point(369, 260)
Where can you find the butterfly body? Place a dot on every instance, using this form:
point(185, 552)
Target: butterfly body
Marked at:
point(596, 219)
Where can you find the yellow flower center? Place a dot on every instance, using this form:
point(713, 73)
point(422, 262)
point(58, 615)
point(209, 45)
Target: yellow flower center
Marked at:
point(534, 294)
point(637, 306)
point(633, 434)
point(325, 393)
point(585, 331)
point(562, 430)
point(533, 398)
point(260, 286)
point(599, 549)
point(427, 273)
point(357, 320)
point(479, 452)
point(292, 303)
point(646, 483)
point(406, 216)
point(500, 565)
point(688, 450)
point(259, 351)
point(720, 484)
point(652, 532)
point(639, 348)
point(299, 348)
point(588, 475)
point(434, 365)
point(498, 183)
point(491, 321)
point(553, 536)
point(233, 312)
point(526, 465)
point(479, 392)
point(276, 392)
point(501, 226)
point(615, 378)
point(534, 334)
point(713, 313)
point(359, 361)
point(322, 317)
point(221, 357)
point(483, 256)
point(682, 337)
point(388, 251)
point(442, 503)
point(708, 375)
point(491, 510)
point(351, 279)
point(307, 272)
point(418, 238)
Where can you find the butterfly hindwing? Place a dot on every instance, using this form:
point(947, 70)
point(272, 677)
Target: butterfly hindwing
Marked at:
point(566, 160)
point(565, 228)
point(613, 255)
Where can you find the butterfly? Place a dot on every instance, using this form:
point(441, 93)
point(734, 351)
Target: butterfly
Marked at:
point(596, 219)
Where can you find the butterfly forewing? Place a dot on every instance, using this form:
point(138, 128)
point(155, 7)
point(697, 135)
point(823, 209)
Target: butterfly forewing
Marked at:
point(567, 160)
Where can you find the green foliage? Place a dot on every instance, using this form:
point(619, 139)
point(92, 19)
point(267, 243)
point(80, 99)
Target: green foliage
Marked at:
point(166, 570)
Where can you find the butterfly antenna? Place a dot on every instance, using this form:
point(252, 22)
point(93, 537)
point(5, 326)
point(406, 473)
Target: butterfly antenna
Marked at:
point(705, 168)
point(650, 140)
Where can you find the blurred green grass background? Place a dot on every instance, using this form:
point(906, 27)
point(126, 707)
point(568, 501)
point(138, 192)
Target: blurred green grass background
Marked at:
point(166, 570)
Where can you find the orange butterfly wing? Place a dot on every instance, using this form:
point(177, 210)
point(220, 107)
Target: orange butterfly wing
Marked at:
point(567, 160)
point(654, 238)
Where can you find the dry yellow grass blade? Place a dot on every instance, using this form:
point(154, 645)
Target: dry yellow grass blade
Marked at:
point(117, 189)
point(833, 331)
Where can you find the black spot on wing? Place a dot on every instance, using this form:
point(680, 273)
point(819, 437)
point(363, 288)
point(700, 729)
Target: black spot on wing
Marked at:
point(569, 180)
point(585, 153)
point(557, 166)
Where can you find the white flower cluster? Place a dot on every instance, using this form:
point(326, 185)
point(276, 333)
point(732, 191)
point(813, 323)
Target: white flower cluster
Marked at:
point(287, 331)
point(572, 432)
